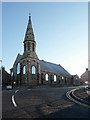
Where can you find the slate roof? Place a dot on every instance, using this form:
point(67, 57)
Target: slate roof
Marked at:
point(51, 67)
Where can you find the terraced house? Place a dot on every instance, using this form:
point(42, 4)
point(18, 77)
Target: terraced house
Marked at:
point(28, 69)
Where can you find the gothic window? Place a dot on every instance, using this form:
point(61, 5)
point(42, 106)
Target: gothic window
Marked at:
point(11, 73)
point(62, 77)
point(33, 70)
point(55, 79)
point(32, 46)
point(28, 45)
point(18, 68)
point(46, 77)
point(24, 70)
point(24, 47)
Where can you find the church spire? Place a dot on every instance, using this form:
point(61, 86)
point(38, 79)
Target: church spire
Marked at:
point(29, 31)
point(29, 41)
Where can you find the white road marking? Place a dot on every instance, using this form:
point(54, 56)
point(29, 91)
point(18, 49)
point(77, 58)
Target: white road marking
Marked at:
point(29, 89)
point(15, 105)
point(16, 91)
point(76, 101)
point(13, 99)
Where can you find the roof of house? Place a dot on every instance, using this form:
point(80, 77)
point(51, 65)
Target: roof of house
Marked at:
point(51, 67)
point(84, 76)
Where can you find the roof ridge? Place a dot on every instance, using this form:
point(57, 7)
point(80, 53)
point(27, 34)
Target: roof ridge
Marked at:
point(51, 62)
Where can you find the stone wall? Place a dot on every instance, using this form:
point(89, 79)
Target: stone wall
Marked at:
point(51, 81)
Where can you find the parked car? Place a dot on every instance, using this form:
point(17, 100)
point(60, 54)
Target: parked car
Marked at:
point(9, 87)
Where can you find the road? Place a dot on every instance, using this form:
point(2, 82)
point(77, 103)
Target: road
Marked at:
point(40, 103)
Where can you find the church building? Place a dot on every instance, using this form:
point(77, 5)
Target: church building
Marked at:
point(28, 69)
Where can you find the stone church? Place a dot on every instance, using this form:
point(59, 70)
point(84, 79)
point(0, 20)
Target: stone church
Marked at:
point(29, 70)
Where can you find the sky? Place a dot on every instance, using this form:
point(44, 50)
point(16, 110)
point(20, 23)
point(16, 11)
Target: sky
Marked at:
point(60, 28)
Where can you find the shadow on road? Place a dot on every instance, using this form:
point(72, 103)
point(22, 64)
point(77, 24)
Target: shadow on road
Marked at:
point(69, 112)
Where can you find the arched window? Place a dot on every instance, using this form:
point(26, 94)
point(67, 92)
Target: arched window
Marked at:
point(24, 47)
point(11, 73)
point(46, 76)
point(33, 70)
point(55, 78)
point(28, 45)
point(62, 77)
point(24, 70)
point(18, 68)
point(32, 46)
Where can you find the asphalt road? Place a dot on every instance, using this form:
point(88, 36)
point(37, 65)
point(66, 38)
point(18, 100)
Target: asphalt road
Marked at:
point(40, 103)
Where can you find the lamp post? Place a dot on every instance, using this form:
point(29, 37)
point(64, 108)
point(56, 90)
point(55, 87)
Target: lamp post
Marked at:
point(0, 72)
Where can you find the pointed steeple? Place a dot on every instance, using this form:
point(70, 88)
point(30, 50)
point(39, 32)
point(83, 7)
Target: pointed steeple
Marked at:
point(29, 41)
point(29, 31)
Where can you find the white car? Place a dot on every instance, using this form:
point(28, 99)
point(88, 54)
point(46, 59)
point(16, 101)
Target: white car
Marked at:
point(9, 87)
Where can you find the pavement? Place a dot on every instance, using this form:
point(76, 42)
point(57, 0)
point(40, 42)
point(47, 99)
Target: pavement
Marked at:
point(41, 102)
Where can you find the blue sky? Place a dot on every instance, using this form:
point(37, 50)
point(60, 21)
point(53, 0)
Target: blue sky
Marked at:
point(61, 32)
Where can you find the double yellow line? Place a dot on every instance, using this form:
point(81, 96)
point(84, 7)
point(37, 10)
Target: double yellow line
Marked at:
point(76, 101)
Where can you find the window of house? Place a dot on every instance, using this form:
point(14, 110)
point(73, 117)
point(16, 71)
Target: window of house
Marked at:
point(18, 68)
point(28, 45)
point(55, 78)
point(46, 77)
point(33, 70)
point(24, 70)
